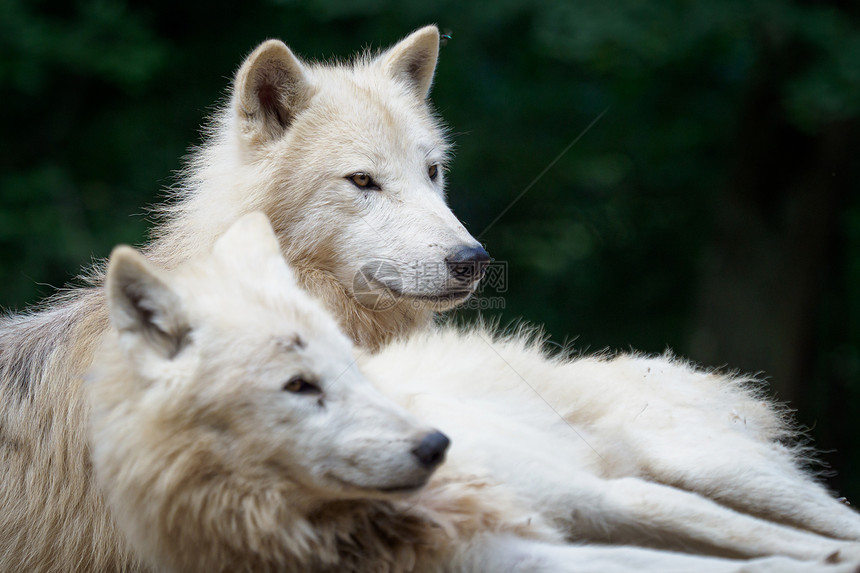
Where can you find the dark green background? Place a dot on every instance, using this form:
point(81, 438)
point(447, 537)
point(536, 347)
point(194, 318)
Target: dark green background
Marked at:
point(713, 209)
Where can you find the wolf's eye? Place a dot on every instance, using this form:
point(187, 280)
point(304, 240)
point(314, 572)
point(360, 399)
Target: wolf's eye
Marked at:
point(363, 181)
point(298, 385)
point(433, 171)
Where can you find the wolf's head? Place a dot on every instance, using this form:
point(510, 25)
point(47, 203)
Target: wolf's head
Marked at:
point(222, 378)
point(354, 162)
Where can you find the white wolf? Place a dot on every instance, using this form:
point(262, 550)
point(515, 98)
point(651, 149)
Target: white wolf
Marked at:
point(346, 162)
point(233, 431)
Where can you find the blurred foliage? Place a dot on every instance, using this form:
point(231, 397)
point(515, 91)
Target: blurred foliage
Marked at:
point(720, 118)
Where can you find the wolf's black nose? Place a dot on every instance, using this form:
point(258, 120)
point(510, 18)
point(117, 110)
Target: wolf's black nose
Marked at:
point(468, 264)
point(431, 451)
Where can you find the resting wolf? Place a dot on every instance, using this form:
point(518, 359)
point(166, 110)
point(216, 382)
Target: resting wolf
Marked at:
point(233, 431)
point(347, 161)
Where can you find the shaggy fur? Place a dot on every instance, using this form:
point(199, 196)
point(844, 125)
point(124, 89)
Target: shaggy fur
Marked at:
point(207, 459)
point(643, 450)
point(50, 517)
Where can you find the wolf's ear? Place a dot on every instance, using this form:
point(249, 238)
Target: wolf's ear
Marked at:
point(142, 304)
point(270, 88)
point(413, 59)
point(251, 234)
point(252, 241)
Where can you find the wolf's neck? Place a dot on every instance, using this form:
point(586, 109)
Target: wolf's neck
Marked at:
point(368, 328)
point(186, 234)
point(214, 191)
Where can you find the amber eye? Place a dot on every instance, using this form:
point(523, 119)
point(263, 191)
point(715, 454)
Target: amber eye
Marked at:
point(363, 181)
point(433, 171)
point(298, 385)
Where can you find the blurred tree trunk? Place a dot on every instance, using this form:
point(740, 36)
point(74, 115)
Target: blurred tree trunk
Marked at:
point(776, 235)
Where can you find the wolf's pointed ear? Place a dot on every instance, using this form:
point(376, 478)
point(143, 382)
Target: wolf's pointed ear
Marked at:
point(270, 89)
point(252, 241)
point(413, 59)
point(251, 234)
point(142, 304)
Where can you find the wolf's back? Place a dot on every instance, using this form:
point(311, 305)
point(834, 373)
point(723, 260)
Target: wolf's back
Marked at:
point(51, 519)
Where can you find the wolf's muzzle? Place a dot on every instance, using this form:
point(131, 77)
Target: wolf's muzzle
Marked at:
point(431, 451)
point(468, 264)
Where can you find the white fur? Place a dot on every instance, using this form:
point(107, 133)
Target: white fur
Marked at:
point(626, 449)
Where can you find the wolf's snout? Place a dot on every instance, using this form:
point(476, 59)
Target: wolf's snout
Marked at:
point(431, 451)
point(468, 264)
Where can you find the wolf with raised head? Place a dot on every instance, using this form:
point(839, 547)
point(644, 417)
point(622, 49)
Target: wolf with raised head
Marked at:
point(348, 163)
